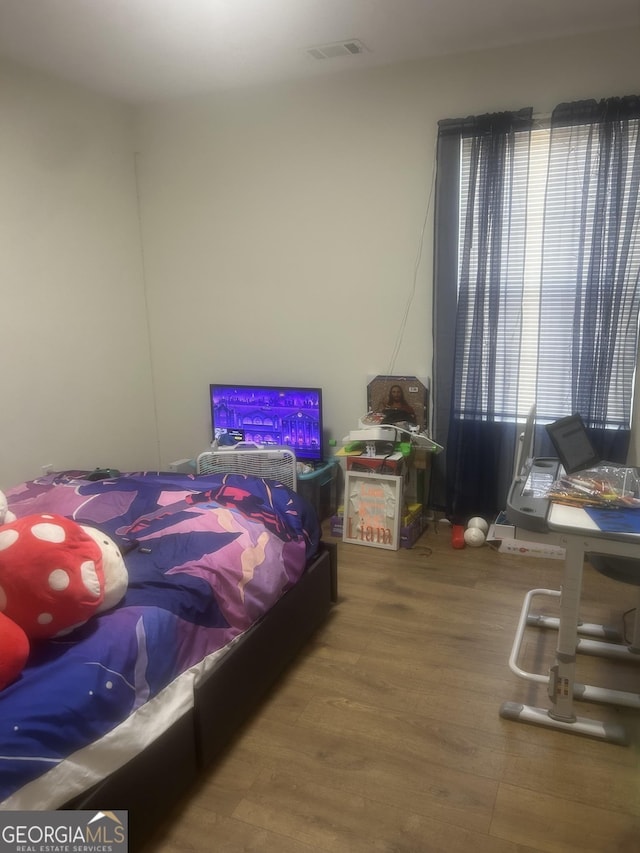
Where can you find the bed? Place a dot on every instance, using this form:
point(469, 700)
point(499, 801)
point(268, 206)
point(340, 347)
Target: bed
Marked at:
point(228, 578)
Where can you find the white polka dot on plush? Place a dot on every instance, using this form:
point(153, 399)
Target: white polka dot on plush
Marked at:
point(3, 599)
point(48, 532)
point(59, 580)
point(7, 538)
point(90, 577)
point(45, 619)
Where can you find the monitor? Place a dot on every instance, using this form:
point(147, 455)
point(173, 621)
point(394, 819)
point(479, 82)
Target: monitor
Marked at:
point(284, 416)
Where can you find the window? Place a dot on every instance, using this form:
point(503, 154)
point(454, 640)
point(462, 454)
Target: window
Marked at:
point(536, 287)
point(552, 210)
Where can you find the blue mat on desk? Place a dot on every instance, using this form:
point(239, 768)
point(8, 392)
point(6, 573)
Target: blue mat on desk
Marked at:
point(616, 520)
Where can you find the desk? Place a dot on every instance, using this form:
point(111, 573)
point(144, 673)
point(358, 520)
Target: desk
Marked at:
point(573, 529)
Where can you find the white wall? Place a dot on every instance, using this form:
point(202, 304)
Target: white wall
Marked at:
point(75, 375)
point(282, 226)
point(277, 227)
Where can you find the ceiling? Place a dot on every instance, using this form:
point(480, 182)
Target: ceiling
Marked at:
point(150, 50)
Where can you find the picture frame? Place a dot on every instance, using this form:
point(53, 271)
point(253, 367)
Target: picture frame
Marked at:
point(399, 398)
point(372, 510)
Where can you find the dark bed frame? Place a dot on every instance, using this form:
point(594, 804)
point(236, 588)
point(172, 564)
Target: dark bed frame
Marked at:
point(155, 779)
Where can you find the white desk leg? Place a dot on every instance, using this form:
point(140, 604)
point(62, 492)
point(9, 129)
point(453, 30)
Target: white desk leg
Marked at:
point(561, 681)
point(562, 674)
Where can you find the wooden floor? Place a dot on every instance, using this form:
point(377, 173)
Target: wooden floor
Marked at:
point(385, 734)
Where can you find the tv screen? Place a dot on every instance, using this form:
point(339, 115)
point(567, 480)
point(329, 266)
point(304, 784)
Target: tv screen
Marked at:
point(264, 414)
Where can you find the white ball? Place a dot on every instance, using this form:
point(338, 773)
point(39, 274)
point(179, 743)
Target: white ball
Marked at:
point(474, 536)
point(480, 523)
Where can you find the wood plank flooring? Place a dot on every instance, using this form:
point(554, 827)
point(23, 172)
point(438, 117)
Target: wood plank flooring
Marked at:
point(385, 734)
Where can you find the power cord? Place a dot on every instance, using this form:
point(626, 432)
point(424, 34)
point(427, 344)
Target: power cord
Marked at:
point(416, 267)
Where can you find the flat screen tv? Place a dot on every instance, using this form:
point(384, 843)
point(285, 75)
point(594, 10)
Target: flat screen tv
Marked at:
point(268, 414)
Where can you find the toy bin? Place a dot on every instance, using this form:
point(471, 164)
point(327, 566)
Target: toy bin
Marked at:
point(319, 487)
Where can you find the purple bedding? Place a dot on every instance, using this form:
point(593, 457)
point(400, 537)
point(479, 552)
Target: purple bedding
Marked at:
point(206, 557)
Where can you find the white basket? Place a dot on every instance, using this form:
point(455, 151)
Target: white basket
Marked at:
point(269, 463)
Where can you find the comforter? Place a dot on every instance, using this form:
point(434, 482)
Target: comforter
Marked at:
point(206, 557)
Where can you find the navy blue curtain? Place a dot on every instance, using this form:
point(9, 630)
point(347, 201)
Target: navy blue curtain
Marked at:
point(471, 388)
point(590, 272)
point(589, 291)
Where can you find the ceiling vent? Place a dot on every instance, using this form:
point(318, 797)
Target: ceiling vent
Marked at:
point(340, 48)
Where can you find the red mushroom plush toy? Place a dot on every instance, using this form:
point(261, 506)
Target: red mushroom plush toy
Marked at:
point(54, 575)
point(51, 576)
point(14, 650)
